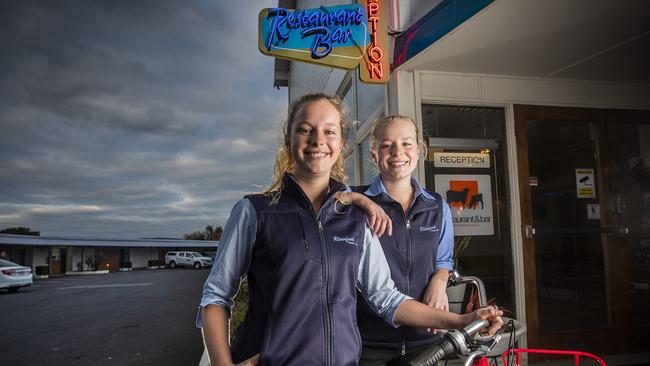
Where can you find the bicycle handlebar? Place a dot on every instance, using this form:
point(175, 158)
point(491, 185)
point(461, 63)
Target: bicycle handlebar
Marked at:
point(455, 341)
point(462, 342)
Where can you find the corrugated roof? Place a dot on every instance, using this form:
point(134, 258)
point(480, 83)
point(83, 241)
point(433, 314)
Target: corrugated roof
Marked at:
point(8, 239)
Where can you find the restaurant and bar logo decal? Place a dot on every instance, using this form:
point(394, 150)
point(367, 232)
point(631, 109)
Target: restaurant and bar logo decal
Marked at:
point(343, 36)
point(470, 200)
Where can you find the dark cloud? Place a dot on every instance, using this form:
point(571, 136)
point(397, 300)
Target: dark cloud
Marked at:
point(132, 119)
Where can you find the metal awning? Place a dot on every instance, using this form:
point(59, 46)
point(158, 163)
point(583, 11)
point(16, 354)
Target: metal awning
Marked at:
point(578, 39)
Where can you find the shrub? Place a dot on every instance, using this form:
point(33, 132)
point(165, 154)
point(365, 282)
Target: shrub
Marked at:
point(42, 270)
point(239, 309)
point(125, 265)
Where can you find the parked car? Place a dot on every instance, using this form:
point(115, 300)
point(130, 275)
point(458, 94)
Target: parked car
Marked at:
point(187, 259)
point(212, 255)
point(14, 276)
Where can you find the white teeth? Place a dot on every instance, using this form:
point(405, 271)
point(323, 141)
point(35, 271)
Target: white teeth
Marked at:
point(316, 155)
point(397, 163)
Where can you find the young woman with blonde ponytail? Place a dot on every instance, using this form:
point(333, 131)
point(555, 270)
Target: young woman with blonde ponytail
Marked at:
point(420, 251)
point(305, 255)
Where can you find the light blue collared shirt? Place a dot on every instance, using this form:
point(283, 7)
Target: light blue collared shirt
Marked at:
point(445, 255)
point(235, 251)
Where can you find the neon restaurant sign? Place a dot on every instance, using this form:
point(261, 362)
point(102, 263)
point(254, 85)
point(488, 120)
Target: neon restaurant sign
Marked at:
point(344, 36)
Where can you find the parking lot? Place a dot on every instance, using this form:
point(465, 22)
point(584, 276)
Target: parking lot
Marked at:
point(123, 318)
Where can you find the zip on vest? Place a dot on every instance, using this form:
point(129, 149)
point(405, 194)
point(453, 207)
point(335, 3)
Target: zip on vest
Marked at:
point(408, 272)
point(327, 311)
point(408, 268)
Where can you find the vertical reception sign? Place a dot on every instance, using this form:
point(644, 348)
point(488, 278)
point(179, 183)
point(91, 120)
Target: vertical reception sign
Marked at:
point(344, 36)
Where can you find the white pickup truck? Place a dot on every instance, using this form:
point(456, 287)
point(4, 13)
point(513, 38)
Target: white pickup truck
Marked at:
point(187, 259)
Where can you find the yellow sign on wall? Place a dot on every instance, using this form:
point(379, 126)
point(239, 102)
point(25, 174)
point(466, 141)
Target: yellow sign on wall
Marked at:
point(344, 36)
point(585, 183)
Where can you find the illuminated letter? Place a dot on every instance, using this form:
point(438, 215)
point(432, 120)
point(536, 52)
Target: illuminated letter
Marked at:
point(320, 40)
point(313, 19)
point(279, 16)
point(373, 8)
point(376, 70)
point(340, 35)
point(358, 17)
point(374, 21)
point(375, 54)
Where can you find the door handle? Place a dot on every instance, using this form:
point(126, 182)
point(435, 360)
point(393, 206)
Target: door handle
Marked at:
point(624, 231)
point(529, 231)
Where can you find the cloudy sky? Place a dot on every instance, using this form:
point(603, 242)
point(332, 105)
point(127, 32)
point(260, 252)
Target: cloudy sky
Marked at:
point(131, 119)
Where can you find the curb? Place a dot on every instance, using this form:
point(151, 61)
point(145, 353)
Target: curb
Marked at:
point(83, 273)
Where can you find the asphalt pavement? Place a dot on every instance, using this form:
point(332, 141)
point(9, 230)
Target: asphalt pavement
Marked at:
point(123, 318)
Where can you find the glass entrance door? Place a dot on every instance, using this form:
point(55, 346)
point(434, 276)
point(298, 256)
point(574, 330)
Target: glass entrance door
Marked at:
point(630, 142)
point(568, 231)
point(565, 232)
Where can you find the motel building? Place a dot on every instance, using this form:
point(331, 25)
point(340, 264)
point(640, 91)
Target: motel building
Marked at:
point(537, 119)
point(69, 255)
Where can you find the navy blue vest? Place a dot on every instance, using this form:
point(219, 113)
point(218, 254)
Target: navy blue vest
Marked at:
point(302, 282)
point(411, 252)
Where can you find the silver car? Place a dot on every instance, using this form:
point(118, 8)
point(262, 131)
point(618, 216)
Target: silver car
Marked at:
point(14, 276)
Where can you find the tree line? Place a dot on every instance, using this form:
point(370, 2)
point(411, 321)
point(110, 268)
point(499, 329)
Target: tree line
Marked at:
point(209, 233)
point(20, 231)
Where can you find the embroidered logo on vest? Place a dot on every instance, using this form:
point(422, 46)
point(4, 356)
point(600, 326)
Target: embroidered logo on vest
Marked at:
point(432, 229)
point(346, 240)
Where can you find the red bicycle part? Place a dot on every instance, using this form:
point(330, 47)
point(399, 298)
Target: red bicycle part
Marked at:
point(482, 361)
point(576, 355)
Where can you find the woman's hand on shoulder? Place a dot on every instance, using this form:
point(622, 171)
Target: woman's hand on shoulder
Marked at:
point(378, 221)
point(251, 361)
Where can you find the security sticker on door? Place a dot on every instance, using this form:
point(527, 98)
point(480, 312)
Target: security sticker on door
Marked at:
point(585, 183)
point(470, 200)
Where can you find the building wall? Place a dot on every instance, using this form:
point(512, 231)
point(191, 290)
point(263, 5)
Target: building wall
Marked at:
point(480, 88)
point(40, 256)
point(307, 78)
point(140, 256)
point(79, 258)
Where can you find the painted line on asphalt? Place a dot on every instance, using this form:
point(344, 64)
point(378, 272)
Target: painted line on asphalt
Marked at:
point(105, 286)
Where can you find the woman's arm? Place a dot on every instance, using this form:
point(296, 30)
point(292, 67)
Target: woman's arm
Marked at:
point(230, 266)
point(436, 292)
point(376, 217)
point(215, 334)
point(379, 290)
point(415, 314)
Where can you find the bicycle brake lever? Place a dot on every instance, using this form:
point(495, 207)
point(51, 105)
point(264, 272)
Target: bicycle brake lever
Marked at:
point(489, 343)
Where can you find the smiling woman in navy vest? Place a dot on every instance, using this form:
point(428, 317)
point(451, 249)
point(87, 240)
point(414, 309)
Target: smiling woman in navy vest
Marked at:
point(305, 255)
point(420, 251)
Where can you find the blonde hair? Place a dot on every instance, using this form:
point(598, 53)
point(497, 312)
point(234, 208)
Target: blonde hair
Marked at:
point(284, 162)
point(383, 121)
